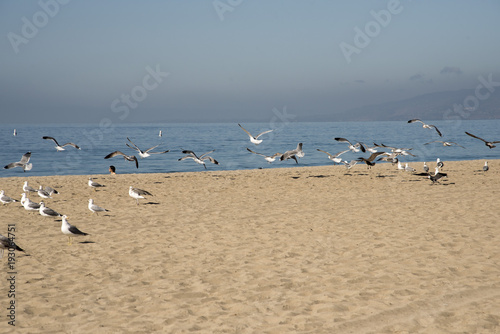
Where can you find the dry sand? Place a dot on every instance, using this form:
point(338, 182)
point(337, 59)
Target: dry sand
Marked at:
point(289, 250)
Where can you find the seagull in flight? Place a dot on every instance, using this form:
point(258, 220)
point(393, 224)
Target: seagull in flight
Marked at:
point(61, 147)
point(355, 148)
point(293, 154)
point(255, 139)
point(435, 178)
point(487, 143)
point(24, 163)
point(269, 158)
point(334, 157)
point(201, 159)
point(70, 230)
point(369, 162)
point(146, 153)
point(426, 126)
point(126, 157)
point(445, 143)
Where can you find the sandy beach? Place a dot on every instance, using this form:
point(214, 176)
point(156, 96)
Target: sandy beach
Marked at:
point(288, 250)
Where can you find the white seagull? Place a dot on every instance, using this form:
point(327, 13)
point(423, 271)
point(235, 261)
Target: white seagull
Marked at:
point(201, 159)
point(485, 167)
point(439, 163)
point(94, 184)
point(146, 153)
point(95, 208)
point(28, 204)
point(27, 188)
point(61, 147)
point(47, 212)
point(445, 143)
point(426, 126)
point(126, 157)
point(15, 132)
point(24, 163)
point(334, 157)
point(138, 193)
point(255, 139)
point(6, 199)
point(70, 230)
point(353, 147)
point(426, 168)
point(269, 158)
point(160, 134)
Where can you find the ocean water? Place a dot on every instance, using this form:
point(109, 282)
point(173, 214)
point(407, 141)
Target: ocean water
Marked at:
point(230, 143)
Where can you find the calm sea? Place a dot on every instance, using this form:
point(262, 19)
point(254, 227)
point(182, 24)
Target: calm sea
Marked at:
point(230, 144)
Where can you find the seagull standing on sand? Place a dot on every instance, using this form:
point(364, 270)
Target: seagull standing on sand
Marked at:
point(94, 184)
point(95, 208)
point(201, 159)
point(138, 193)
point(6, 243)
point(6, 199)
point(426, 126)
point(487, 143)
point(269, 158)
point(24, 163)
point(409, 168)
point(70, 230)
point(43, 193)
point(426, 168)
point(47, 212)
point(28, 204)
point(439, 163)
point(61, 147)
point(485, 167)
point(27, 188)
point(146, 153)
point(255, 139)
point(293, 154)
point(353, 147)
point(126, 157)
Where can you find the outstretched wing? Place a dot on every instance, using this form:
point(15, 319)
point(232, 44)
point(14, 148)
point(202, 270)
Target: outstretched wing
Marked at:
point(72, 144)
point(470, 134)
point(114, 154)
point(25, 158)
point(51, 138)
point(249, 150)
point(415, 120)
point(248, 133)
point(262, 133)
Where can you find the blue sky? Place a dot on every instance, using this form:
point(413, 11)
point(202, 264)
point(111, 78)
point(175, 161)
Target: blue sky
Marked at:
point(234, 60)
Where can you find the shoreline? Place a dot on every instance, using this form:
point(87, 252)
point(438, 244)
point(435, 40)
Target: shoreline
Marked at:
point(297, 249)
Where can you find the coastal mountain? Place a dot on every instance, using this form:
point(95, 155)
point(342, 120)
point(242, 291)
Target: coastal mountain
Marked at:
point(432, 106)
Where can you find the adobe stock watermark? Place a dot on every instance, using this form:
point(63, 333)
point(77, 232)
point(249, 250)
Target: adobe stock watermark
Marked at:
point(223, 6)
point(30, 28)
point(363, 38)
point(471, 103)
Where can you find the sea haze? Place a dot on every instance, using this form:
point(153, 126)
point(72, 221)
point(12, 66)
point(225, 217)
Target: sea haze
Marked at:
point(230, 144)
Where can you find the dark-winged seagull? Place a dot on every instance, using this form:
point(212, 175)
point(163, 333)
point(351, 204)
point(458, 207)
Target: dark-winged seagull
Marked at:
point(24, 163)
point(61, 147)
point(70, 230)
point(293, 154)
point(369, 162)
point(426, 126)
point(6, 243)
point(126, 157)
point(254, 139)
point(485, 167)
point(146, 153)
point(487, 143)
point(353, 147)
point(6, 199)
point(47, 212)
point(435, 178)
point(201, 159)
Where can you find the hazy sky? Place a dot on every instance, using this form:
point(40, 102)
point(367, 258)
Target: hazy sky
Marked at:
point(234, 60)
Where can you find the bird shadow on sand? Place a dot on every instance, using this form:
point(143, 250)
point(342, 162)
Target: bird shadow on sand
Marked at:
point(86, 242)
point(319, 176)
point(151, 203)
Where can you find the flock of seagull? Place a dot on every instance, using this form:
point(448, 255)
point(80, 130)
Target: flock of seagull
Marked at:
point(387, 154)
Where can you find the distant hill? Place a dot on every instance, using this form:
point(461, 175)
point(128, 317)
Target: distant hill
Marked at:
point(432, 106)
